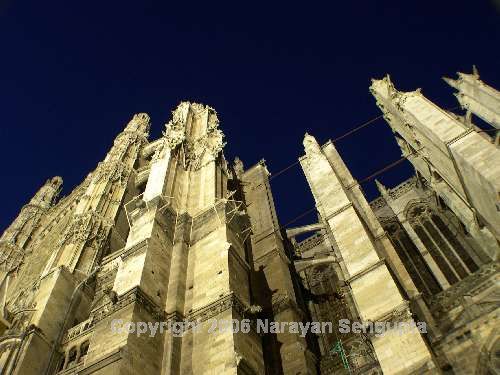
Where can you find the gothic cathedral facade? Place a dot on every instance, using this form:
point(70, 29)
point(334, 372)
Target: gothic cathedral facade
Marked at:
point(167, 231)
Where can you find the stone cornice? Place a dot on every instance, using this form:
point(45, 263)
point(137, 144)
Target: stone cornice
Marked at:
point(138, 246)
point(402, 188)
point(218, 306)
point(133, 295)
point(311, 242)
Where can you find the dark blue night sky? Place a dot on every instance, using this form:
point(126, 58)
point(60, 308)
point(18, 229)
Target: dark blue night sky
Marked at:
point(73, 73)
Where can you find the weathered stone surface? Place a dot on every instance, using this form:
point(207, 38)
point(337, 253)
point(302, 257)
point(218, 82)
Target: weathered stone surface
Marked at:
point(167, 232)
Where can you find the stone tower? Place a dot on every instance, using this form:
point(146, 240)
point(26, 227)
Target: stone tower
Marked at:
point(163, 231)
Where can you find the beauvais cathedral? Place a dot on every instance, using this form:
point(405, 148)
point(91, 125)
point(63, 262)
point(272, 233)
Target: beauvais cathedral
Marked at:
point(168, 230)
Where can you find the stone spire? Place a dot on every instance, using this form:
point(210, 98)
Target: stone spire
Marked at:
point(140, 122)
point(381, 188)
point(48, 193)
point(92, 220)
point(27, 220)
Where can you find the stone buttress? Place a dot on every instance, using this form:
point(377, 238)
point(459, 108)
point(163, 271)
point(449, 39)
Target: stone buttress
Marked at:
point(365, 259)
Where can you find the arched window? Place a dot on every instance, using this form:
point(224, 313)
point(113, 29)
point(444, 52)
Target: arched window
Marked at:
point(450, 255)
point(412, 259)
point(84, 348)
point(452, 239)
point(71, 357)
point(436, 254)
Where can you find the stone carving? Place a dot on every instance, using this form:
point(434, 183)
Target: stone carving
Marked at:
point(361, 353)
point(311, 242)
point(378, 203)
point(138, 296)
point(78, 330)
point(175, 128)
point(403, 188)
point(489, 356)
point(123, 142)
point(401, 313)
point(210, 142)
point(282, 302)
point(193, 154)
point(415, 209)
point(254, 309)
point(203, 256)
point(160, 149)
point(198, 108)
point(133, 295)
point(174, 135)
point(238, 167)
point(48, 193)
point(86, 227)
point(311, 146)
point(11, 257)
point(28, 213)
point(213, 120)
point(112, 170)
point(448, 299)
point(140, 122)
point(20, 308)
point(29, 218)
point(222, 304)
point(400, 98)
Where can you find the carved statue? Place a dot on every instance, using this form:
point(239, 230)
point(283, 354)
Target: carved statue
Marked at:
point(311, 146)
point(238, 167)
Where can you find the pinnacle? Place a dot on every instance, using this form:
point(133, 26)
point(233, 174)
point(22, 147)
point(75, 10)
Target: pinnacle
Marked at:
point(475, 71)
point(450, 81)
point(381, 188)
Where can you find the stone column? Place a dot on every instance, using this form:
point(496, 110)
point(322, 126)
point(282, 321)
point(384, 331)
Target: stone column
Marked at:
point(274, 289)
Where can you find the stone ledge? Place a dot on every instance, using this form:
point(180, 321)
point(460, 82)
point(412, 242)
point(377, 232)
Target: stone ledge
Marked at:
point(111, 257)
point(366, 270)
point(339, 211)
point(218, 306)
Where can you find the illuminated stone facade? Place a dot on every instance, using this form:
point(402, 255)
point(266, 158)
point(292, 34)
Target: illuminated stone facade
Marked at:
point(168, 231)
